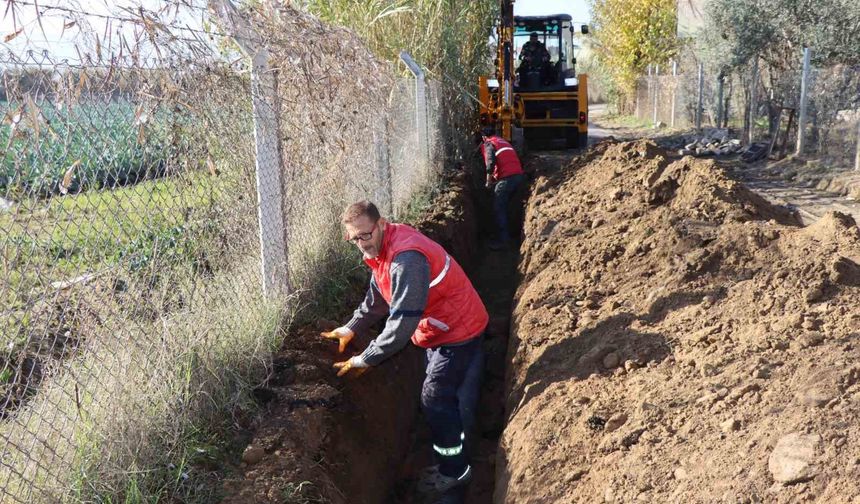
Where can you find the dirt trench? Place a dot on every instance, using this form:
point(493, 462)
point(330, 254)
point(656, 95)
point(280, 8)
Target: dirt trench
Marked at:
point(672, 337)
point(361, 440)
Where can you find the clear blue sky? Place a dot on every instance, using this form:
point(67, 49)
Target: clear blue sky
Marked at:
point(578, 9)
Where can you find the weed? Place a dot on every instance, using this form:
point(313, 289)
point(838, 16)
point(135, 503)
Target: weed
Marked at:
point(301, 493)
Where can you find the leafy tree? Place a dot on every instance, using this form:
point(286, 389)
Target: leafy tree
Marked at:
point(630, 35)
point(776, 30)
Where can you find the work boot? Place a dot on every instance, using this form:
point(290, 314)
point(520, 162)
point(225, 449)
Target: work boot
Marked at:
point(454, 496)
point(433, 481)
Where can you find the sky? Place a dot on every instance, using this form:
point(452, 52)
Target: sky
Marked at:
point(578, 9)
point(58, 36)
point(58, 30)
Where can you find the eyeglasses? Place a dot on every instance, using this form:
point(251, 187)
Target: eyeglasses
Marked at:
point(362, 236)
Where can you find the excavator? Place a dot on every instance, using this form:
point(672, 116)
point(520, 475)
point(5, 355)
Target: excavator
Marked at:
point(542, 95)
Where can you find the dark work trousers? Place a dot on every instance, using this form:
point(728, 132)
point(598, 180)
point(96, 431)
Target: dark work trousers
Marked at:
point(449, 400)
point(505, 188)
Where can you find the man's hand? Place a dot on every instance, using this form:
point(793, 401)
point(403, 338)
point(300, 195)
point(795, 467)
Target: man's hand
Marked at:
point(356, 363)
point(342, 335)
point(489, 183)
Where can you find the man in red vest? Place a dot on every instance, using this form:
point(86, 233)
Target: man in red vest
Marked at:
point(503, 168)
point(427, 299)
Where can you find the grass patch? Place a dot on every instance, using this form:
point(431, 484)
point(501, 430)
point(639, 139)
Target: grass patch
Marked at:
point(626, 121)
point(172, 383)
point(172, 219)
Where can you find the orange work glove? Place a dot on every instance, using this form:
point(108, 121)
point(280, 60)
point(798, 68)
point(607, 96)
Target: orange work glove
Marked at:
point(356, 363)
point(342, 335)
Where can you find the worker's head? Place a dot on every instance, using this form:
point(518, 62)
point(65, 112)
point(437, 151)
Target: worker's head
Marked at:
point(533, 37)
point(488, 131)
point(364, 227)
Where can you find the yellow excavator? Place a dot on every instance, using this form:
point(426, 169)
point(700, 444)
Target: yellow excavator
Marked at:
point(536, 86)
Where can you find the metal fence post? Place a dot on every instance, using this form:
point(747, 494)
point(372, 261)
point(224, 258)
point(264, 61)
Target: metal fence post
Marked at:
point(656, 92)
point(720, 83)
point(804, 98)
point(420, 105)
point(636, 106)
point(674, 90)
point(269, 161)
point(383, 161)
point(857, 154)
point(753, 102)
point(699, 106)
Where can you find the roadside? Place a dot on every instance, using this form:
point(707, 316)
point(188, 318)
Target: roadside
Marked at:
point(796, 184)
point(809, 186)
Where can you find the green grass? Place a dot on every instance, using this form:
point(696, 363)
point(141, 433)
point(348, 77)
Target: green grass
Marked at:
point(152, 423)
point(164, 237)
point(626, 121)
point(63, 237)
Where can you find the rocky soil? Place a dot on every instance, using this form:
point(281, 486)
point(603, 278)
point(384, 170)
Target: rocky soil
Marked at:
point(676, 338)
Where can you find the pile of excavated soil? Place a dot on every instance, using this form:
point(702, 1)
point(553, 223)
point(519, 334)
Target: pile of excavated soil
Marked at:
point(321, 438)
point(676, 338)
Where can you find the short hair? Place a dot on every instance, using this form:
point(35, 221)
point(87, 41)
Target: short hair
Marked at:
point(359, 208)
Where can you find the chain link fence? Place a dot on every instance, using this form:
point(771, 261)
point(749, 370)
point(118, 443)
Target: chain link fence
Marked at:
point(135, 175)
point(758, 105)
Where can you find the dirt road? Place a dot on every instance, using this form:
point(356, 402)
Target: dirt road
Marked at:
point(768, 181)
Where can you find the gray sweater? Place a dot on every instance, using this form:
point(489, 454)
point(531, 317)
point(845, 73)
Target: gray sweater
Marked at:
point(410, 284)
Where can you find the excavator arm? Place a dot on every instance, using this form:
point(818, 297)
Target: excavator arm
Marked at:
point(497, 95)
point(506, 68)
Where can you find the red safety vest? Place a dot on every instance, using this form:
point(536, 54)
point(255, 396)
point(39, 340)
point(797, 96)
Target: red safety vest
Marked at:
point(507, 161)
point(454, 311)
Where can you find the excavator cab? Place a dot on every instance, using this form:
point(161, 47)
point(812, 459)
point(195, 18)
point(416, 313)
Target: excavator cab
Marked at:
point(544, 50)
point(536, 86)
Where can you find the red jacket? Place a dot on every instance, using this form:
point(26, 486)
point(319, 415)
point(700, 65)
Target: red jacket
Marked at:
point(454, 311)
point(507, 161)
